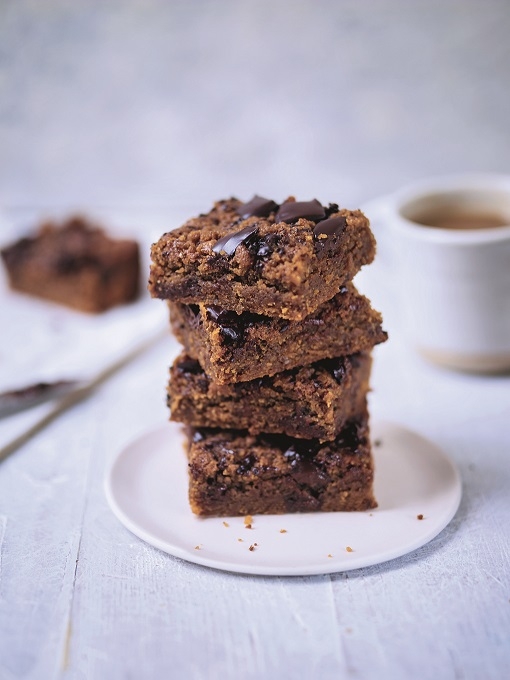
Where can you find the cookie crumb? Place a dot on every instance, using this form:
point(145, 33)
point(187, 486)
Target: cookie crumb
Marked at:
point(377, 442)
point(251, 548)
point(420, 516)
point(197, 547)
point(330, 555)
point(370, 514)
point(283, 531)
point(240, 540)
point(349, 549)
point(248, 520)
point(226, 524)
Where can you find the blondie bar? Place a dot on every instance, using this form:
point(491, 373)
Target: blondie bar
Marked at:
point(74, 264)
point(234, 473)
point(282, 261)
point(311, 402)
point(239, 347)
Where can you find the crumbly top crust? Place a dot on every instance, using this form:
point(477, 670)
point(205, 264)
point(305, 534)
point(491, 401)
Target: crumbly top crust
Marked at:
point(225, 240)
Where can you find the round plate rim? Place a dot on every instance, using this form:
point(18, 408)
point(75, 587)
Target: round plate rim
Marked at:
point(278, 570)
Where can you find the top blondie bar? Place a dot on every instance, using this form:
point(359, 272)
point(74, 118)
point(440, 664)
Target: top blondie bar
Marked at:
point(276, 260)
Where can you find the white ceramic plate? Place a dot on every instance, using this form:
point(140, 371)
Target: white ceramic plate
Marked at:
point(146, 488)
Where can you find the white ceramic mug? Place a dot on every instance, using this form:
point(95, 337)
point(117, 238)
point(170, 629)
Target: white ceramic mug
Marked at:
point(454, 284)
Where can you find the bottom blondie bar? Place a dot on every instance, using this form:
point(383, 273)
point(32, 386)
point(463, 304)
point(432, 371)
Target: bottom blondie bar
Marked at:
point(234, 473)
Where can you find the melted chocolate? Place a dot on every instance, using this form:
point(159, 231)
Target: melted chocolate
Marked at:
point(262, 246)
point(189, 366)
point(257, 207)
point(229, 243)
point(333, 226)
point(304, 469)
point(231, 325)
point(246, 465)
point(292, 211)
point(335, 367)
point(332, 209)
point(349, 437)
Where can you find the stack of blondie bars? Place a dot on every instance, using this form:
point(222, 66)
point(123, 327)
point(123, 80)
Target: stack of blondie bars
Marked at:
point(273, 379)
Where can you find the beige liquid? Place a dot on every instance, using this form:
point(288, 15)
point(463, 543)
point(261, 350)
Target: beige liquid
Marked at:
point(462, 220)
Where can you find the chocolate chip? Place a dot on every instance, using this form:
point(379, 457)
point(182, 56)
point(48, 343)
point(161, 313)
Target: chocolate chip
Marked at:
point(246, 464)
point(332, 209)
point(333, 226)
point(304, 470)
point(230, 242)
point(257, 207)
point(214, 312)
point(189, 366)
point(262, 246)
point(292, 211)
point(349, 436)
point(339, 371)
point(335, 367)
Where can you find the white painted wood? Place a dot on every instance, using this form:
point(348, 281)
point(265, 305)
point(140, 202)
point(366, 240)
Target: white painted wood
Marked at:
point(138, 106)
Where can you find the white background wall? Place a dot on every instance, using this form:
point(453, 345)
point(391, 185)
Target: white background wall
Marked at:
point(156, 104)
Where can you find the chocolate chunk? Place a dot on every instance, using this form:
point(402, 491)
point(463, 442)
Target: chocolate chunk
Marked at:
point(246, 464)
point(229, 243)
point(231, 324)
point(257, 207)
point(190, 366)
point(335, 367)
point(216, 313)
point(304, 470)
point(332, 209)
point(261, 247)
point(339, 372)
point(333, 226)
point(292, 211)
point(350, 437)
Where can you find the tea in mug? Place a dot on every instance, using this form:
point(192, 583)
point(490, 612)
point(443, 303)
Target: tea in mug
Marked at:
point(462, 220)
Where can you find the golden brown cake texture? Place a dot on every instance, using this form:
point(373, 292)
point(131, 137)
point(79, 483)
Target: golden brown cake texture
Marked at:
point(237, 348)
point(262, 257)
point(308, 402)
point(234, 473)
